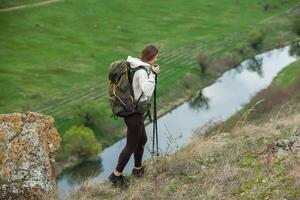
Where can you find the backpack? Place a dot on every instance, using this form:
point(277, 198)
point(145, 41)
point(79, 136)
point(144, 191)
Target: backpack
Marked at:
point(121, 96)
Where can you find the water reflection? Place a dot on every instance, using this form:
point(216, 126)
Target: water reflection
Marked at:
point(253, 65)
point(295, 49)
point(200, 102)
point(83, 171)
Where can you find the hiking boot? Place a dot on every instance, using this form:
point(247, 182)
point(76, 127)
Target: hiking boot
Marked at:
point(118, 180)
point(138, 172)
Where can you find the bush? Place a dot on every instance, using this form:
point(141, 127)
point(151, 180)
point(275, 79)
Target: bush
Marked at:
point(256, 38)
point(92, 115)
point(189, 80)
point(204, 60)
point(61, 155)
point(241, 48)
point(296, 26)
point(281, 39)
point(227, 61)
point(266, 6)
point(231, 59)
point(81, 142)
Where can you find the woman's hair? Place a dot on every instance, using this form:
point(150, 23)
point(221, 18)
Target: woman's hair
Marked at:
point(149, 52)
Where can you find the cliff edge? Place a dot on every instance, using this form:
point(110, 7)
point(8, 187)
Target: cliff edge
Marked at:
point(27, 146)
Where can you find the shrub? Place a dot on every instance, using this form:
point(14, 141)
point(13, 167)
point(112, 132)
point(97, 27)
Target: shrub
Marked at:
point(204, 60)
point(296, 26)
point(81, 142)
point(61, 155)
point(227, 61)
point(241, 48)
point(256, 38)
point(266, 6)
point(231, 59)
point(189, 80)
point(92, 115)
point(281, 39)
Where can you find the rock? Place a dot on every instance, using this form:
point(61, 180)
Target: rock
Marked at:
point(290, 146)
point(27, 148)
point(282, 153)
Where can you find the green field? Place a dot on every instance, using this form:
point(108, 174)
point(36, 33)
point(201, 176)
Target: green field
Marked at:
point(56, 56)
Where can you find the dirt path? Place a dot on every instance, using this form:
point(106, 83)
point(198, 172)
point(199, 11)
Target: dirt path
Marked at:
point(29, 5)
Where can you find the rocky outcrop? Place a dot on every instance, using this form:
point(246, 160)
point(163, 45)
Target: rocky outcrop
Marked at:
point(27, 146)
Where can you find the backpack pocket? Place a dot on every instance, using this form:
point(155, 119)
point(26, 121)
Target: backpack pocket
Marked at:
point(127, 103)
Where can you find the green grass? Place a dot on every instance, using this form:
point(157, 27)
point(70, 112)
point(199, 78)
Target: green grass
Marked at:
point(287, 76)
point(58, 55)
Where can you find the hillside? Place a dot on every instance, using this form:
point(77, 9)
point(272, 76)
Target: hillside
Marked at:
point(54, 58)
point(253, 159)
point(248, 162)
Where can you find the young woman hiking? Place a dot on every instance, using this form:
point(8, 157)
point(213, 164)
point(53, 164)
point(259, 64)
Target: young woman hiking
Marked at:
point(143, 81)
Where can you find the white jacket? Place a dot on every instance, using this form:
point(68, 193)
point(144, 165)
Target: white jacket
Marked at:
point(142, 82)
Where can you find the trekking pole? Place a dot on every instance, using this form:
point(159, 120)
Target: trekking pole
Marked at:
point(155, 128)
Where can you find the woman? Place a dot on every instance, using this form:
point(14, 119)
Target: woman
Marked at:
point(143, 81)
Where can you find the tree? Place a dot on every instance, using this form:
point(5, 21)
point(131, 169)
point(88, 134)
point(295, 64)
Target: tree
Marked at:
point(92, 115)
point(256, 38)
point(204, 60)
point(81, 142)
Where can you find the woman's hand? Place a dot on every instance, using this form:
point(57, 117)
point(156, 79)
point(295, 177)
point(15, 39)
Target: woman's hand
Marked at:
point(156, 69)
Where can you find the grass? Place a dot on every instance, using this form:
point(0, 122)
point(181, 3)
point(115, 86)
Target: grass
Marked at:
point(57, 56)
point(287, 77)
point(241, 162)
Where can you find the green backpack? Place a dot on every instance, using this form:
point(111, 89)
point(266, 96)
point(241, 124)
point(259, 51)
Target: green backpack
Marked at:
point(121, 96)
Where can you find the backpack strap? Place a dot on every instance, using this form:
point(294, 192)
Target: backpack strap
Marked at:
point(140, 97)
point(133, 71)
point(136, 69)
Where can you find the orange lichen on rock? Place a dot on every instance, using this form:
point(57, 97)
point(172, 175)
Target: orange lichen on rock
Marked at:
point(27, 147)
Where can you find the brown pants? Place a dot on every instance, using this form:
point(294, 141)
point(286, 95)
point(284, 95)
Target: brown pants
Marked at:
point(136, 140)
